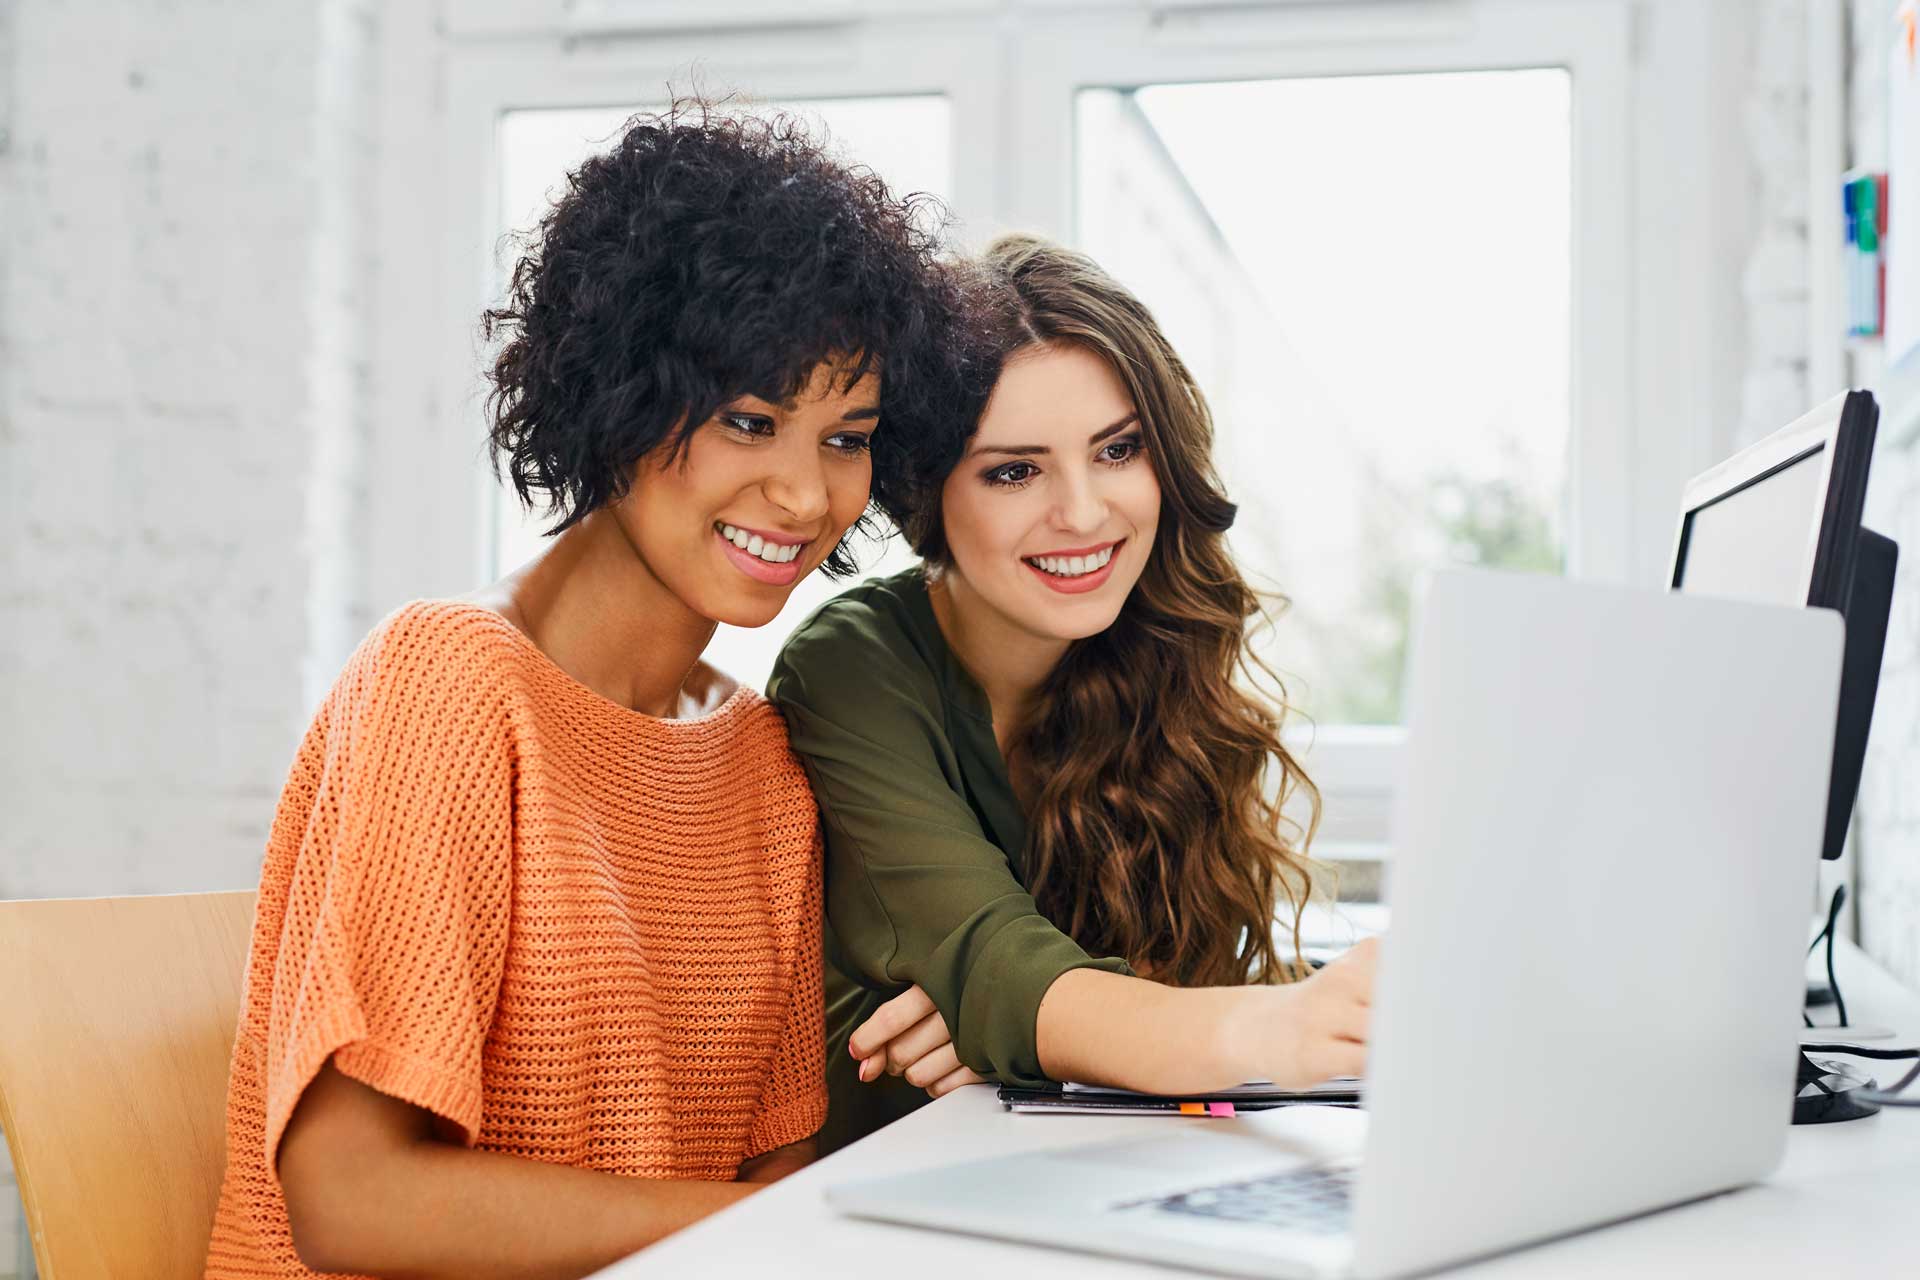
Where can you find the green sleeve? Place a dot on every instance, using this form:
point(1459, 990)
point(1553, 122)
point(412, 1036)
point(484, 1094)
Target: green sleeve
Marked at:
point(916, 892)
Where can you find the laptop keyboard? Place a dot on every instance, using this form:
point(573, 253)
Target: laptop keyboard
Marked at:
point(1316, 1200)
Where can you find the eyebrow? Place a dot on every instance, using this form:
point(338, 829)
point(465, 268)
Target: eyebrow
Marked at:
point(864, 413)
point(1037, 450)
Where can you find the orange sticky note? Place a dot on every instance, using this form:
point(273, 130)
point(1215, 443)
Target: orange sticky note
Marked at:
point(1193, 1108)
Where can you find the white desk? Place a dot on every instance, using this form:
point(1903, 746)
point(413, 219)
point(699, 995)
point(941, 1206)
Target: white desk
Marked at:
point(1845, 1203)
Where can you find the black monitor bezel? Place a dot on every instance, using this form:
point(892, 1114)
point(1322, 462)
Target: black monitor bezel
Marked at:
point(1842, 429)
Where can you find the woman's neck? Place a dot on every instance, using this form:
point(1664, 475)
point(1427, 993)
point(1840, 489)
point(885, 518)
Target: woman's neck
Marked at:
point(1008, 662)
point(593, 606)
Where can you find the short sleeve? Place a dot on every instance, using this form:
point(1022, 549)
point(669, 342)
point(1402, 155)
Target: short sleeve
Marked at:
point(915, 890)
point(393, 939)
point(793, 1105)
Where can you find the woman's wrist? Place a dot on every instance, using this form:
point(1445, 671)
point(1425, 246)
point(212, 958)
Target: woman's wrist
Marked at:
point(1254, 1027)
point(1236, 1033)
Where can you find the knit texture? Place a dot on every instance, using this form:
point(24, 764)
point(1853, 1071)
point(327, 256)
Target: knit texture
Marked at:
point(581, 934)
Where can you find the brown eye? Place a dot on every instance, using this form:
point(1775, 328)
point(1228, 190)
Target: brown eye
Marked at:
point(746, 424)
point(1013, 475)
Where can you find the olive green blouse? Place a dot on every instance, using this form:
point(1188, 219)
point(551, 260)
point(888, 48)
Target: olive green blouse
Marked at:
point(926, 845)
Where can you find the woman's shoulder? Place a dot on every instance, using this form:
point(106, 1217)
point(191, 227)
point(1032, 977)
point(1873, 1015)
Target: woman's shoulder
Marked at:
point(431, 631)
point(879, 631)
point(431, 650)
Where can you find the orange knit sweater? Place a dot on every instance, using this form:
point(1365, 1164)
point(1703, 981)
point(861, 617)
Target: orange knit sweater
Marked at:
point(581, 934)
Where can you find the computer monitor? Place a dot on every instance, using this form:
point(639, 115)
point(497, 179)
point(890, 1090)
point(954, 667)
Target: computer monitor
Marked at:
point(1779, 523)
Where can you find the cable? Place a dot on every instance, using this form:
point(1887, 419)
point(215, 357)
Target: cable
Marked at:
point(1833, 918)
point(1829, 933)
point(1887, 1097)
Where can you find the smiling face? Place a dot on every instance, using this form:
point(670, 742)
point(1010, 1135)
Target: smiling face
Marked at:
point(761, 496)
point(1050, 516)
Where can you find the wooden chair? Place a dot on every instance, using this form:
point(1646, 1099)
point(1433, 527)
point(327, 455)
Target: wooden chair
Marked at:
point(117, 1017)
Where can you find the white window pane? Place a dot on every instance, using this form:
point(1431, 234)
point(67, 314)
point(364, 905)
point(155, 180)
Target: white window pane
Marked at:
point(907, 140)
point(1370, 277)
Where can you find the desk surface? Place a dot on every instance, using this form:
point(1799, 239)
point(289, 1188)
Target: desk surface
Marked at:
point(1844, 1201)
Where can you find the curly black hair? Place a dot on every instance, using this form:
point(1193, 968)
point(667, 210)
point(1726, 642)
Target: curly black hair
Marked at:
point(707, 255)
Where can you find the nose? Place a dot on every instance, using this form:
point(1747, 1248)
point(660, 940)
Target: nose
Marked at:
point(1081, 507)
point(797, 484)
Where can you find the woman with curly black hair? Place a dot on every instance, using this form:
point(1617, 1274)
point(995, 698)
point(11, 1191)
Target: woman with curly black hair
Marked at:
point(536, 972)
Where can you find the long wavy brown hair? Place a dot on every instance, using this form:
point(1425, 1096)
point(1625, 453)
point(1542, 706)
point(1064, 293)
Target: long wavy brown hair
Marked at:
point(1159, 830)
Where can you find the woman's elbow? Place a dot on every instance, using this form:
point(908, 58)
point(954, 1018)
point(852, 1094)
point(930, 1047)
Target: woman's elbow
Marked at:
point(338, 1182)
point(326, 1230)
point(340, 1162)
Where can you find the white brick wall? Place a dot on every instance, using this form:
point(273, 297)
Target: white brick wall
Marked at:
point(1774, 279)
point(180, 396)
point(185, 258)
point(1887, 823)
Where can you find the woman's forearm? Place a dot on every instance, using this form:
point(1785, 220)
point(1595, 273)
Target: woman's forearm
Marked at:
point(371, 1189)
point(441, 1210)
point(1107, 1028)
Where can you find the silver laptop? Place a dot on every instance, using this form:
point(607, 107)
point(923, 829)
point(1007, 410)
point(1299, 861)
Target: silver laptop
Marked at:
point(1588, 1000)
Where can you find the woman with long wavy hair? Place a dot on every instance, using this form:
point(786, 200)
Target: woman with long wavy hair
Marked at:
point(1053, 799)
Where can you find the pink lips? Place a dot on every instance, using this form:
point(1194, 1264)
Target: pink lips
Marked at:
point(1085, 582)
point(774, 575)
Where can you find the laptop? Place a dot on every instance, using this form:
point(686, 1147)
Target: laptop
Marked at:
point(1579, 757)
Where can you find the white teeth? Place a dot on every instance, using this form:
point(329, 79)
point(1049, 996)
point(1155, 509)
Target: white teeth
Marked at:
point(755, 545)
point(1072, 566)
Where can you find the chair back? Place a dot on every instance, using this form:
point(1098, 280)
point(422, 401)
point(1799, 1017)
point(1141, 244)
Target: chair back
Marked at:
point(117, 1018)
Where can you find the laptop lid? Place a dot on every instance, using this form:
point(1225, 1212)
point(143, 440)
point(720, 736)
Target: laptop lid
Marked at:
point(1604, 858)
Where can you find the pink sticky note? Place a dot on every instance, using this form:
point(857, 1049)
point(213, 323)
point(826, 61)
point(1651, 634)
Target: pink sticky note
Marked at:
point(1220, 1108)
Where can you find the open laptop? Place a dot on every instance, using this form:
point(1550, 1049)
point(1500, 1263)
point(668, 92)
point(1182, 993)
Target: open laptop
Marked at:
point(1579, 758)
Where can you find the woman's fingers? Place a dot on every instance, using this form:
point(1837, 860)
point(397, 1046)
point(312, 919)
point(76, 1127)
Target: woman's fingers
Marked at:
point(910, 1046)
point(895, 1016)
point(937, 1064)
point(952, 1080)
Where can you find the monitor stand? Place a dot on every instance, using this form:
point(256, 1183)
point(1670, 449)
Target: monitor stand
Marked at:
point(1828, 1092)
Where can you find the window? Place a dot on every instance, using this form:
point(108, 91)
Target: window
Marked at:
point(1408, 338)
point(1374, 297)
point(907, 140)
